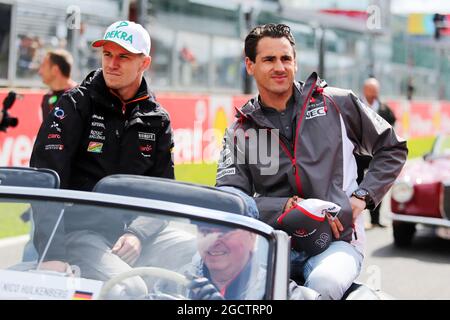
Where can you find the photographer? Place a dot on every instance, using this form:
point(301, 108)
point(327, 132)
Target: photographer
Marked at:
point(5, 119)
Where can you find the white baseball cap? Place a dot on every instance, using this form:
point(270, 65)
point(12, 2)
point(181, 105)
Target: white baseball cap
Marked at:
point(127, 34)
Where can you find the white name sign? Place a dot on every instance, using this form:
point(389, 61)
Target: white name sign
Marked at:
point(33, 285)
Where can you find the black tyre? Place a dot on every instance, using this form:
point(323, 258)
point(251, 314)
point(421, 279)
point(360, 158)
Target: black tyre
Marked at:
point(403, 233)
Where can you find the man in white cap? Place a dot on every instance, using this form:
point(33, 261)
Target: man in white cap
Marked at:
point(126, 55)
point(110, 124)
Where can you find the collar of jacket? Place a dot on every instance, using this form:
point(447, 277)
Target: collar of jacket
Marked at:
point(302, 90)
point(101, 94)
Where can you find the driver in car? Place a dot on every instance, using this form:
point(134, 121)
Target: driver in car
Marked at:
point(227, 266)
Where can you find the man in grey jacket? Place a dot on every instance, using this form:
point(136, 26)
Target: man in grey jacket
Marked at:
point(296, 140)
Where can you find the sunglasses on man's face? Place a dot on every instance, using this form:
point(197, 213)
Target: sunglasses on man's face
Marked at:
point(219, 231)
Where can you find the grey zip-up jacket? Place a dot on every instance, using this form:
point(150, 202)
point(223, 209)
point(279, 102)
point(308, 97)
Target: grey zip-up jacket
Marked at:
point(331, 124)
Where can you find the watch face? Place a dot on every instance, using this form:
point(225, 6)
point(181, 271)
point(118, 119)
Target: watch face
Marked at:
point(361, 193)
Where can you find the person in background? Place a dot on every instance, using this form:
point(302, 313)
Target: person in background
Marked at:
point(55, 71)
point(371, 92)
point(371, 98)
point(410, 89)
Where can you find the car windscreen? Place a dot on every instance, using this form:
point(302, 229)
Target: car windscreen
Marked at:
point(69, 250)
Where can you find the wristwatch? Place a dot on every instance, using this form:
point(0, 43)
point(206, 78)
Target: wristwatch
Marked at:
point(364, 195)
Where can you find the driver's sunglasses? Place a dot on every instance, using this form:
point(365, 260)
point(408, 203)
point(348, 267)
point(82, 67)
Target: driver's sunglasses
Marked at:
point(220, 231)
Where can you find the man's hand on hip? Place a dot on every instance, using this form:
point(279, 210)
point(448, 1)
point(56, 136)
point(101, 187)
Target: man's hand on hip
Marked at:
point(128, 247)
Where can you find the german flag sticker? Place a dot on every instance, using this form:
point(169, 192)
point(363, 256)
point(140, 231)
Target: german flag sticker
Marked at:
point(82, 295)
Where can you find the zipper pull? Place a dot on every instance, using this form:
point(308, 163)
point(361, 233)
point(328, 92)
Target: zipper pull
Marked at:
point(117, 134)
point(123, 108)
point(293, 164)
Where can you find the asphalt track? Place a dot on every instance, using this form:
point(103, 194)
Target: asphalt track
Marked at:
point(420, 272)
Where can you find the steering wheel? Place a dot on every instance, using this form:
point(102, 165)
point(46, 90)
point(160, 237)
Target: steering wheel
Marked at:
point(143, 271)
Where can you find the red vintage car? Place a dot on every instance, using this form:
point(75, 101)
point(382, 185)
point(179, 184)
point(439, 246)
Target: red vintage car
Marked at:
point(421, 194)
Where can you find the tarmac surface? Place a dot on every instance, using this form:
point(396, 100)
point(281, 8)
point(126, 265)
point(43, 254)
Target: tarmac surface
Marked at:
point(419, 272)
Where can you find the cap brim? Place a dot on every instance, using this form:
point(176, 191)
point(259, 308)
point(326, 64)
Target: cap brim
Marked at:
point(101, 43)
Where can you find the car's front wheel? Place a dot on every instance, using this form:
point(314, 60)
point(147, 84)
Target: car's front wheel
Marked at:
point(403, 233)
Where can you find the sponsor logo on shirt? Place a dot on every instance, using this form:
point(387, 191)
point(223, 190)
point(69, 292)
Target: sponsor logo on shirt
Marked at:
point(97, 135)
point(225, 152)
point(146, 150)
point(55, 125)
point(98, 124)
point(94, 116)
point(59, 113)
point(226, 172)
point(52, 99)
point(226, 163)
point(54, 147)
point(146, 136)
point(316, 112)
point(95, 147)
point(54, 136)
